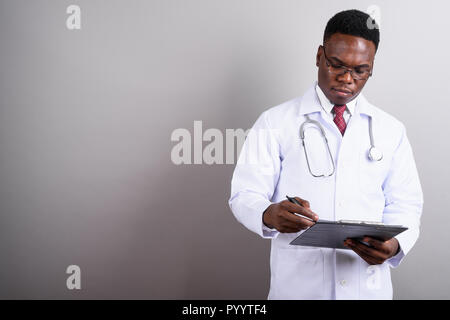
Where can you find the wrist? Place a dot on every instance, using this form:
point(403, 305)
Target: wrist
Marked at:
point(398, 247)
point(266, 218)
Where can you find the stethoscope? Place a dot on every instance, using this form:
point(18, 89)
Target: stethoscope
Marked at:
point(374, 154)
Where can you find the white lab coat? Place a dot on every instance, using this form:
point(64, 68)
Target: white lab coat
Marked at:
point(386, 191)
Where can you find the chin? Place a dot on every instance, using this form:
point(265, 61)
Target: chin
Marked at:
point(341, 101)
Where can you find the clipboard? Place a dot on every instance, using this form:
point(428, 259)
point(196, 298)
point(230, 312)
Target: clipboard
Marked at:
point(332, 234)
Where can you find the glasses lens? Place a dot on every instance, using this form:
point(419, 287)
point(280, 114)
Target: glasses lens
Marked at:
point(361, 75)
point(357, 75)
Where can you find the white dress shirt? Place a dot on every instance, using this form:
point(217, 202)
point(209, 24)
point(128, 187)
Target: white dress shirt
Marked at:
point(328, 106)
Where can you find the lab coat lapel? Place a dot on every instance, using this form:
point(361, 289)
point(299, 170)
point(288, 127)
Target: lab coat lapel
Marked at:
point(310, 105)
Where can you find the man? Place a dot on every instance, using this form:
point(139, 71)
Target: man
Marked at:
point(334, 179)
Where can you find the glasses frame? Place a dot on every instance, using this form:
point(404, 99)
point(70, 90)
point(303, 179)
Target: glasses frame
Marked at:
point(343, 69)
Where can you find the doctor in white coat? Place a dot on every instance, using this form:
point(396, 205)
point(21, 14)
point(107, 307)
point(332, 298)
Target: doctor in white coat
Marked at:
point(334, 179)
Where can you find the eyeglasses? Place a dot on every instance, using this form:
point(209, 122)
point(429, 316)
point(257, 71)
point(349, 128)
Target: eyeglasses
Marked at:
point(358, 73)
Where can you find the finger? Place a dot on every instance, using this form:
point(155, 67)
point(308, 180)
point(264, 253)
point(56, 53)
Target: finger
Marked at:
point(295, 208)
point(285, 229)
point(367, 258)
point(305, 223)
point(374, 252)
point(290, 225)
point(377, 244)
point(367, 251)
point(297, 220)
point(303, 202)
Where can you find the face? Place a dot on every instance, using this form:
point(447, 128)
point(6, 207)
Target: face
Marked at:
point(349, 51)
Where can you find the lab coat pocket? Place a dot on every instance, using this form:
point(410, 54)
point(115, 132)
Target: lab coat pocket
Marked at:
point(371, 175)
point(370, 204)
point(299, 273)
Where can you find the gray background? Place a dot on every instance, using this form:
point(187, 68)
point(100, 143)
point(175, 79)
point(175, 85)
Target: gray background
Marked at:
point(86, 118)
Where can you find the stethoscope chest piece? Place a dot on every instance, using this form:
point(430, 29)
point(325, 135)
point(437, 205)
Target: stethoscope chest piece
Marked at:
point(375, 154)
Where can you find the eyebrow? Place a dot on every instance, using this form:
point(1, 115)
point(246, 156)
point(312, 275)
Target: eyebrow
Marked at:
point(341, 62)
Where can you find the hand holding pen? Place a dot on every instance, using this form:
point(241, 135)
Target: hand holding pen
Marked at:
point(290, 216)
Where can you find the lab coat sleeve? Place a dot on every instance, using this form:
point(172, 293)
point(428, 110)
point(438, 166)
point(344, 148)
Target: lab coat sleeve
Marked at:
point(403, 198)
point(255, 177)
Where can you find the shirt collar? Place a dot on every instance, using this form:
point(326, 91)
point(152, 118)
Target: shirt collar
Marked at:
point(310, 103)
point(328, 106)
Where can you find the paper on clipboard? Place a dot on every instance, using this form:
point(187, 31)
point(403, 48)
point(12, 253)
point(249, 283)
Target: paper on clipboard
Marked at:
point(332, 234)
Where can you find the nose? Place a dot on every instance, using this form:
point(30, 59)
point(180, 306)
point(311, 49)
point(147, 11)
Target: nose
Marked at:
point(346, 77)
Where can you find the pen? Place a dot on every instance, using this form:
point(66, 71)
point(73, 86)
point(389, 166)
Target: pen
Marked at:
point(293, 200)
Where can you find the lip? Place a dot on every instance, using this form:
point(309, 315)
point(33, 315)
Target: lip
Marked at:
point(342, 92)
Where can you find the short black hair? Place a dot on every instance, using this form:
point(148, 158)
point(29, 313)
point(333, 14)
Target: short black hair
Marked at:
point(353, 22)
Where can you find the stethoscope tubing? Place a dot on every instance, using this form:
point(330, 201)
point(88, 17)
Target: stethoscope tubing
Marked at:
point(374, 154)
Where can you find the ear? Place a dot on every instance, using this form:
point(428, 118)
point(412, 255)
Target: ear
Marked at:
point(319, 54)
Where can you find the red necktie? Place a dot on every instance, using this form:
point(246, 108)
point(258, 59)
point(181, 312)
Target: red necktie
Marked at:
point(338, 117)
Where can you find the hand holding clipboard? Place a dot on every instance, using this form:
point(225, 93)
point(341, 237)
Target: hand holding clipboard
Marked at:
point(372, 241)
